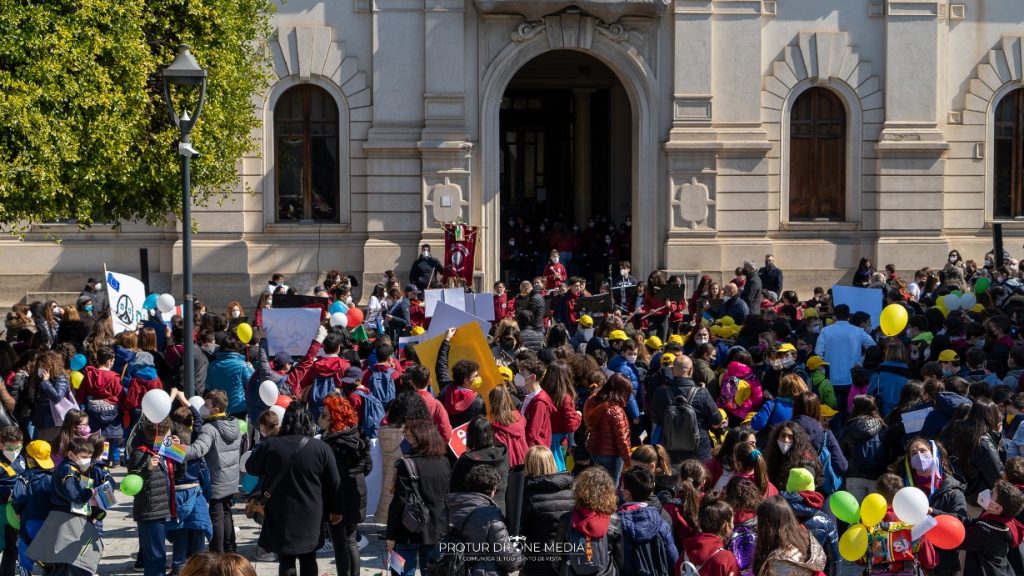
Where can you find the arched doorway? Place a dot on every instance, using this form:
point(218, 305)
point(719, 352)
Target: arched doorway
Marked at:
point(566, 164)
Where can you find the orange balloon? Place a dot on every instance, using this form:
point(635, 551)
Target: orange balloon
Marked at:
point(948, 534)
point(355, 317)
point(283, 401)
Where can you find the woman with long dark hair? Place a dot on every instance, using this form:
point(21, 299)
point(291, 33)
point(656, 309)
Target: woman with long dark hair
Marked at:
point(975, 450)
point(605, 415)
point(784, 546)
point(863, 443)
point(301, 477)
point(558, 383)
point(407, 406)
point(788, 447)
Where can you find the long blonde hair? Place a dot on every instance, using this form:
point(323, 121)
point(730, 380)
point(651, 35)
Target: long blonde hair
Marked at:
point(540, 461)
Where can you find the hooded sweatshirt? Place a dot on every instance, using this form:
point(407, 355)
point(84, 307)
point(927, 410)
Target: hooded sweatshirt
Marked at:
point(540, 413)
point(862, 441)
point(462, 404)
point(513, 436)
point(743, 372)
point(710, 555)
point(641, 524)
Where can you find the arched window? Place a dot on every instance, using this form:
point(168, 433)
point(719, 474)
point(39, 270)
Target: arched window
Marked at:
point(817, 157)
point(1009, 156)
point(306, 149)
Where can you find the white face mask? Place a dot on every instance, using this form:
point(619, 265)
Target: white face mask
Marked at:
point(425, 253)
point(519, 381)
point(816, 329)
point(236, 313)
point(953, 259)
point(785, 446)
point(554, 259)
point(624, 272)
point(84, 463)
point(631, 358)
point(40, 372)
point(700, 340)
point(11, 455)
point(29, 313)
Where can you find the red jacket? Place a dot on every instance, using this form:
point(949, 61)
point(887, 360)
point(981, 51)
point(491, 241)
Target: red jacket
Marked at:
point(504, 307)
point(99, 385)
point(326, 366)
point(566, 419)
point(710, 555)
point(438, 414)
point(513, 436)
point(357, 401)
point(136, 390)
point(609, 429)
point(554, 275)
point(539, 413)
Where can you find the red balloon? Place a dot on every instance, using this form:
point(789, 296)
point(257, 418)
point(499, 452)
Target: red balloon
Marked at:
point(283, 401)
point(948, 534)
point(355, 317)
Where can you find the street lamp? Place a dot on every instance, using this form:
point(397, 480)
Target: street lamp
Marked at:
point(185, 72)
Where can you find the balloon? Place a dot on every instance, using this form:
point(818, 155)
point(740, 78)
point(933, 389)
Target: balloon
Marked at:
point(727, 321)
point(76, 379)
point(244, 460)
point(243, 426)
point(854, 543)
point(156, 405)
point(957, 292)
point(279, 411)
point(244, 332)
point(967, 301)
point(873, 509)
point(196, 402)
point(12, 518)
point(910, 505)
point(948, 534)
point(249, 483)
point(338, 306)
point(977, 308)
point(339, 319)
point(981, 285)
point(355, 316)
point(894, 319)
point(78, 362)
point(150, 302)
point(283, 401)
point(268, 392)
point(844, 506)
point(131, 485)
point(165, 303)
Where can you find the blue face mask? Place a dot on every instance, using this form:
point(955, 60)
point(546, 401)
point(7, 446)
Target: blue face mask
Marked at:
point(406, 447)
point(87, 307)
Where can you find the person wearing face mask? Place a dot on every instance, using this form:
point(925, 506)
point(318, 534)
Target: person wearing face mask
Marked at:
point(506, 344)
point(926, 466)
point(538, 407)
point(95, 291)
point(459, 386)
point(424, 268)
point(13, 467)
point(622, 359)
point(771, 277)
point(67, 540)
point(554, 271)
point(993, 539)
point(235, 315)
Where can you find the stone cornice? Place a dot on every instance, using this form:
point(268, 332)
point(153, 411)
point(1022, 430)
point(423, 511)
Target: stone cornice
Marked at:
point(607, 10)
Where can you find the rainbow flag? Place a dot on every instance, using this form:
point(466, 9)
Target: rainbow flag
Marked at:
point(169, 449)
point(395, 562)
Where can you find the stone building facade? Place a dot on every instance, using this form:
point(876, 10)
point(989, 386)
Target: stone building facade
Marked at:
point(817, 130)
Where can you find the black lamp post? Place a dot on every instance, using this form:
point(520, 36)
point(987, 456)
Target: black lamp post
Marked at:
point(185, 72)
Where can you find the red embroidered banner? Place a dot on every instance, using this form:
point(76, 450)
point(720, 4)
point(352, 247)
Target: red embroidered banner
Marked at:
point(459, 251)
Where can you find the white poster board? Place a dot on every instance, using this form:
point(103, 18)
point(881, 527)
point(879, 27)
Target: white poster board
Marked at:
point(290, 329)
point(447, 316)
point(126, 295)
point(482, 305)
point(913, 422)
point(867, 300)
point(430, 300)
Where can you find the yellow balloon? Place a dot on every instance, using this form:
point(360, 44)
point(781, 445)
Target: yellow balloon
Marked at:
point(727, 321)
point(244, 332)
point(76, 379)
point(977, 308)
point(872, 509)
point(854, 543)
point(894, 319)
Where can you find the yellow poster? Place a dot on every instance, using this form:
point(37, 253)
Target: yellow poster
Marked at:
point(469, 343)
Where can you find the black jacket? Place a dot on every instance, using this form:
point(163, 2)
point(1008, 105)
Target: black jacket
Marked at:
point(703, 405)
point(306, 491)
point(752, 293)
point(401, 320)
point(545, 500)
point(949, 499)
point(435, 475)
point(352, 455)
point(986, 467)
point(771, 279)
point(154, 501)
point(421, 270)
point(474, 518)
point(615, 548)
point(539, 307)
point(988, 543)
point(496, 456)
point(863, 444)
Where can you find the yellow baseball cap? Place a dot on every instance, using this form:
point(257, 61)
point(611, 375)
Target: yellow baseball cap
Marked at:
point(948, 356)
point(617, 335)
point(653, 343)
point(667, 358)
point(39, 450)
point(416, 330)
point(783, 348)
point(815, 362)
point(675, 339)
point(827, 411)
point(586, 321)
point(506, 373)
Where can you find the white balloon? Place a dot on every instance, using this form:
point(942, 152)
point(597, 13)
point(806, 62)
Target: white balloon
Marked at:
point(197, 402)
point(156, 405)
point(910, 505)
point(339, 319)
point(968, 300)
point(279, 410)
point(268, 392)
point(243, 460)
point(165, 303)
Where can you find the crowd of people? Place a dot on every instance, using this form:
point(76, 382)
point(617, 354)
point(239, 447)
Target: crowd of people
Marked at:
point(697, 435)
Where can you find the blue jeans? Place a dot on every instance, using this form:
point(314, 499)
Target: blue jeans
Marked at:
point(186, 542)
point(415, 554)
point(613, 464)
point(153, 547)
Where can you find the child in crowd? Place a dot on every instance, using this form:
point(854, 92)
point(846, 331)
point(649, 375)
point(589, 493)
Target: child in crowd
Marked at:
point(820, 384)
point(707, 551)
point(76, 425)
point(152, 507)
point(808, 507)
point(67, 542)
point(101, 453)
point(644, 531)
point(991, 536)
point(744, 497)
point(31, 496)
point(12, 466)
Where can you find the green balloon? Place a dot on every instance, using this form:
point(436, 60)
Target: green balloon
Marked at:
point(12, 519)
point(243, 426)
point(844, 505)
point(981, 285)
point(131, 485)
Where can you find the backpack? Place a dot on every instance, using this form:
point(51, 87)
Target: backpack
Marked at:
point(742, 546)
point(382, 386)
point(831, 481)
point(595, 558)
point(322, 387)
point(681, 431)
point(650, 558)
point(690, 569)
point(415, 513)
point(373, 413)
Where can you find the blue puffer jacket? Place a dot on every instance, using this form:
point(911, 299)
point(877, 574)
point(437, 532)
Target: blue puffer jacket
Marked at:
point(773, 413)
point(887, 383)
point(618, 364)
point(807, 509)
point(123, 358)
point(230, 372)
point(49, 392)
point(642, 523)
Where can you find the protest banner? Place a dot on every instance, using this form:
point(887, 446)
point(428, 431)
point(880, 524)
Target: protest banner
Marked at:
point(290, 329)
point(126, 295)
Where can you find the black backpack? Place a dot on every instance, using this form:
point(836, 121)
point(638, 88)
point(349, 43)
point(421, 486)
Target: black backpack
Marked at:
point(594, 556)
point(650, 558)
point(681, 429)
point(415, 513)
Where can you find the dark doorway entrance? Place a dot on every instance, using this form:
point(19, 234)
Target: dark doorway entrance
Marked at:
point(566, 163)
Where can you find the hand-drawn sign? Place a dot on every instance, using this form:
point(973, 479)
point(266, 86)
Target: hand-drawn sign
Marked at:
point(125, 310)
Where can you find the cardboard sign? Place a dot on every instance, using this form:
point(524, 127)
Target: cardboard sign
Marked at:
point(913, 422)
point(867, 300)
point(126, 295)
point(468, 343)
point(458, 442)
point(446, 316)
point(290, 329)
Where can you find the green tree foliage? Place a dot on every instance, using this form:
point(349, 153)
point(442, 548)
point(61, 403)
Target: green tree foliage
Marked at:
point(84, 130)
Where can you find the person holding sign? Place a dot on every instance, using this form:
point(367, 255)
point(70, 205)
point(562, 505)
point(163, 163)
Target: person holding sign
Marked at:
point(458, 395)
